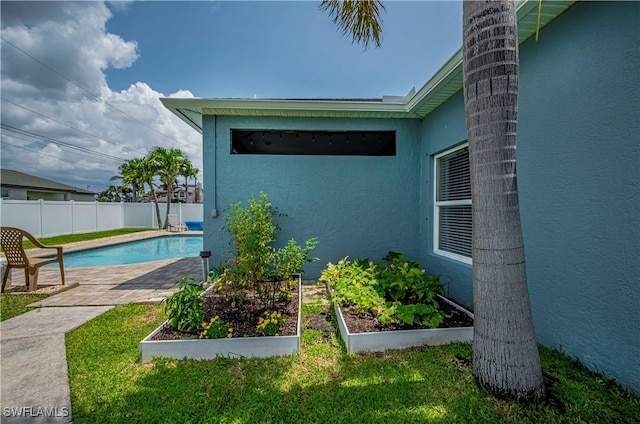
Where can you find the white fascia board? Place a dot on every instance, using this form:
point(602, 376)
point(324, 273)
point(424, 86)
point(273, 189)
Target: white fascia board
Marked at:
point(450, 66)
point(278, 104)
point(523, 8)
point(351, 108)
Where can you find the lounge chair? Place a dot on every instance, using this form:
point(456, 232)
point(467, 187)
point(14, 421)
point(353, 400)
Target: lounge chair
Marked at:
point(173, 222)
point(11, 241)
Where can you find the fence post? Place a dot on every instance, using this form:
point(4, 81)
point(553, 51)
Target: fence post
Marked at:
point(41, 205)
point(96, 222)
point(73, 215)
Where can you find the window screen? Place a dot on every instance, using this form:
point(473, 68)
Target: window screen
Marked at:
point(453, 230)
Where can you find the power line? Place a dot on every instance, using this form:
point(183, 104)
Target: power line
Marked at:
point(62, 143)
point(36, 151)
point(84, 89)
point(68, 126)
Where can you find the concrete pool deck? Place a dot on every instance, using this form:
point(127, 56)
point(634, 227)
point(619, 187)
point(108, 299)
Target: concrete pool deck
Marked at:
point(145, 282)
point(33, 366)
point(35, 384)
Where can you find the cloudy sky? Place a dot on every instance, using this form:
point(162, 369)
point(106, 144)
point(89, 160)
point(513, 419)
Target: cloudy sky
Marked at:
point(81, 82)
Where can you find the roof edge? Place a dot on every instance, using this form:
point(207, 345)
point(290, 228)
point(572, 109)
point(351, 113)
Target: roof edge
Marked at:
point(417, 104)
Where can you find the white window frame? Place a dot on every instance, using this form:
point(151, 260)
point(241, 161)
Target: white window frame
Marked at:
point(436, 208)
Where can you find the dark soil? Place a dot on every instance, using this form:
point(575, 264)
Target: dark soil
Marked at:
point(243, 318)
point(367, 323)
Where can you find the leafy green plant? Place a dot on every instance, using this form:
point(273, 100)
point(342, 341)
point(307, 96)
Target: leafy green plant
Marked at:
point(291, 258)
point(216, 329)
point(269, 324)
point(354, 284)
point(184, 307)
point(255, 263)
point(395, 291)
point(252, 230)
point(402, 280)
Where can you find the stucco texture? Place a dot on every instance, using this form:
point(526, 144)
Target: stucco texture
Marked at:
point(579, 178)
point(357, 206)
point(578, 175)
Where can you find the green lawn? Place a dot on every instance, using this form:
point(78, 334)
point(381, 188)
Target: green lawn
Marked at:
point(322, 384)
point(16, 304)
point(71, 238)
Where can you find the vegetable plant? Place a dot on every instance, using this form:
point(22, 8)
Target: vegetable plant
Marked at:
point(394, 291)
point(185, 307)
point(255, 264)
point(269, 324)
point(216, 329)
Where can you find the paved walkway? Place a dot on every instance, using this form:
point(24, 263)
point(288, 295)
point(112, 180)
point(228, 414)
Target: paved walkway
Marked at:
point(34, 386)
point(33, 368)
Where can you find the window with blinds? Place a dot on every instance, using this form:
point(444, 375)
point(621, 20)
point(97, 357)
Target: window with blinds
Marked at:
point(452, 223)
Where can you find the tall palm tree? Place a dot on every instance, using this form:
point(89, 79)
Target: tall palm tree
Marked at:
point(505, 352)
point(189, 171)
point(169, 164)
point(132, 172)
point(148, 170)
point(115, 193)
point(505, 355)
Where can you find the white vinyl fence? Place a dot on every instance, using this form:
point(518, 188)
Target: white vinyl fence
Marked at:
point(46, 218)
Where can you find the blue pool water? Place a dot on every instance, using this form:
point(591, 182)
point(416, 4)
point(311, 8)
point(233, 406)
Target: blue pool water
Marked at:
point(153, 249)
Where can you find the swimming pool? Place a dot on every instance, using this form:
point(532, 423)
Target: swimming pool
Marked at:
point(153, 249)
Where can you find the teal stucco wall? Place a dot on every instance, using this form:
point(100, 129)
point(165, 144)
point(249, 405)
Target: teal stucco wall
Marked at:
point(356, 206)
point(579, 182)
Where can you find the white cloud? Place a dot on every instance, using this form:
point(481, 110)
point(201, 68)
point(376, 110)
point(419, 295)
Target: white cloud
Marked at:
point(70, 39)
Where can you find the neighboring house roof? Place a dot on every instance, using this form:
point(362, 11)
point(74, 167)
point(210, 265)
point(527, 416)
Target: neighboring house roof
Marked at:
point(445, 83)
point(11, 178)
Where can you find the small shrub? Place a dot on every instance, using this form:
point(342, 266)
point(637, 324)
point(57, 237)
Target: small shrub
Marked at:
point(269, 324)
point(216, 329)
point(354, 284)
point(252, 230)
point(255, 263)
point(185, 307)
point(394, 291)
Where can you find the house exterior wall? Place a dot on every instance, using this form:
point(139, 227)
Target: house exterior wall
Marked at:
point(16, 193)
point(356, 206)
point(19, 193)
point(579, 178)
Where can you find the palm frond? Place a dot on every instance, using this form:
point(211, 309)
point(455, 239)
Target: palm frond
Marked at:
point(359, 18)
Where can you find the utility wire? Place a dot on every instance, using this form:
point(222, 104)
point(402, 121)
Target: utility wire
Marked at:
point(84, 89)
point(62, 143)
point(36, 151)
point(68, 126)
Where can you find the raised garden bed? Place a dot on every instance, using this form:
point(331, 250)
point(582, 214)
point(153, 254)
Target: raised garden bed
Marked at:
point(167, 346)
point(377, 339)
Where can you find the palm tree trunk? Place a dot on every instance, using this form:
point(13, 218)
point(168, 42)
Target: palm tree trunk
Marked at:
point(155, 201)
point(505, 354)
point(169, 197)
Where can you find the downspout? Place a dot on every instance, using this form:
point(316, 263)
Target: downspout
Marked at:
point(209, 133)
point(215, 167)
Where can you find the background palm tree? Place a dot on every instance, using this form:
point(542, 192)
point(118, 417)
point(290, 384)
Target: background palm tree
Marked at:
point(168, 164)
point(505, 355)
point(188, 172)
point(148, 170)
point(132, 172)
point(115, 193)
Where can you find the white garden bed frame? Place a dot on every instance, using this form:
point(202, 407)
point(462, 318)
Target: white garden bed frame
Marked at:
point(242, 347)
point(384, 340)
